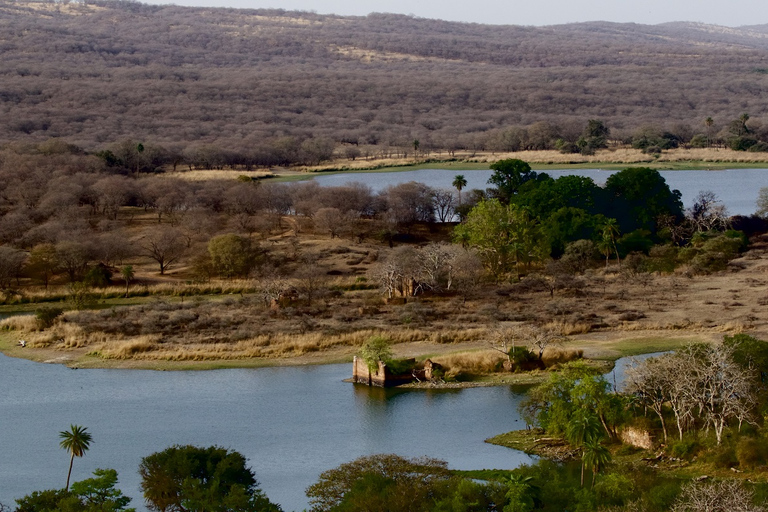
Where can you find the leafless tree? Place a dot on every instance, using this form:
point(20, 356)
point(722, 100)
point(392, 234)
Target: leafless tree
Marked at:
point(720, 496)
point(112, 193)
point(165, 245)
point(73, 257)
point(11, 262)
point(443, 201)
point(330, 220)
point(708, 213)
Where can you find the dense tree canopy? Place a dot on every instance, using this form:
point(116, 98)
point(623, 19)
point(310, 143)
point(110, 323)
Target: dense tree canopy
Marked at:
point(184, 478)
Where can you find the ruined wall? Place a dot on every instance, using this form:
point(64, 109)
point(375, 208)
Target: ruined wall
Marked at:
point(637, 437)
point(382, 377)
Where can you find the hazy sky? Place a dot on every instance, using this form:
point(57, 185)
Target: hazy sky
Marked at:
point(528, 12)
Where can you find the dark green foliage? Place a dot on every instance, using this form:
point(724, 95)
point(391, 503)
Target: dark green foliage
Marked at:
point(99, 275)
point(686, 448)
point(636, 241)
point(711, 251)
point(401, 366)
point(594, 137)
point(382, 482)
point(508, 176)
point(189, 477)
point(233, 255)
point(46, 316)
point(553, 404)
point(42, 501)
point(97, 494)
point(750, 353)
point(640, 195)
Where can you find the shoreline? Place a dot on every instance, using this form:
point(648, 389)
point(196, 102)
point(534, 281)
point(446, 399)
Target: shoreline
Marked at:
point(709, 159)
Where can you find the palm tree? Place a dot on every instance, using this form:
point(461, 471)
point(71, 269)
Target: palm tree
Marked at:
point(610, 234)
point(128, 275)
point(76, 441)
point(459, 182)
point(583, 429)
point(595, 456)
point(709, 122)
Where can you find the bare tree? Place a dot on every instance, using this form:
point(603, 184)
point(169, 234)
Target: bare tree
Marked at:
point(536, 338)
point(11, 262)
point(720, 496)
point(330, 220)
point(708, 213)
point(165, 245)
point(443, 201)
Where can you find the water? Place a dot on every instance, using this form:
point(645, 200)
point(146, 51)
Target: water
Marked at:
point(737, 188)
point(291, 423)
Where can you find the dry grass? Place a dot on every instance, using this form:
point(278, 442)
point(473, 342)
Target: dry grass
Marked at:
point(558, 355)
point(475, 362)
point(21, 323)
point(620, 155)
point(216, 174)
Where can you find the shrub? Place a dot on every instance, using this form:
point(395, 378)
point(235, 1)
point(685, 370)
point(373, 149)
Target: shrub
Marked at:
point(685, 448)
point(751, 452)
point(47, 316)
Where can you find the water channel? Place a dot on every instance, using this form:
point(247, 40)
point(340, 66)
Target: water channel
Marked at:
point(736, 188)
point(291, 423)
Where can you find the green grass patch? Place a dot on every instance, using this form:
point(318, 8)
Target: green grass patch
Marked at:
point(650, 345)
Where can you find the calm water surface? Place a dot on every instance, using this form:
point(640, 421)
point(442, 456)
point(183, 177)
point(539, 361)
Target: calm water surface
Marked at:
point(291, 423)
point(737, 188)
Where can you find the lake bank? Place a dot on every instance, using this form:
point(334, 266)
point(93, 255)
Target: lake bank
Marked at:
point(607, 159)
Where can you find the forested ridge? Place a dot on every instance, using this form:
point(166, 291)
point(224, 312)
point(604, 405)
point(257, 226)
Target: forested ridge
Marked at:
point(101, 72)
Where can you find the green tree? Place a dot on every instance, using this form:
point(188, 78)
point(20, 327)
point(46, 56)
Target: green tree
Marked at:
point(639, 197)
point(595, 457)
point(459, 182)
point(607, 243)
point(593, 137)
point(97, 494)
point(213, 479)
point(379, 483)
point(508, 176)
point(504, 235)
point(232, 255)
point(583, 430)
point(76, 441)
point(375, 349)
point(100, 492)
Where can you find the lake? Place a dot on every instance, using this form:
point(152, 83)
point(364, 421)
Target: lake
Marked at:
point(737, 188)
point(291, 423)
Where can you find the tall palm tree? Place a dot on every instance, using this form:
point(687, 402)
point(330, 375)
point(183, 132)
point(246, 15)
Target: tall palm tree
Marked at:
point(583, 429)
point(709, 122)
point(595, 456)
point(610, 234)
point(76, 441)
point(459, 182)
point(128, 275)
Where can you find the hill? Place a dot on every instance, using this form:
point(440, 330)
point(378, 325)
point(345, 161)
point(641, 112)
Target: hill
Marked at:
point(241, 79)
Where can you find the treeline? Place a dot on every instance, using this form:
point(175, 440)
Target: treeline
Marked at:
point(65, 213)
point(275, 84)
point(527, 218)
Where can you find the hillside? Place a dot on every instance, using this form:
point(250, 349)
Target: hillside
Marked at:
point(106, 71)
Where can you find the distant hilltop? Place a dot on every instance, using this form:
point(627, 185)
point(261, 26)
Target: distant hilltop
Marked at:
point(96, 72)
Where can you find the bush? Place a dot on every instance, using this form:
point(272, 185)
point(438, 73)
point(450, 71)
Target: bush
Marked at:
point(751, 452)
point(47, 316)
point(685, 448)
